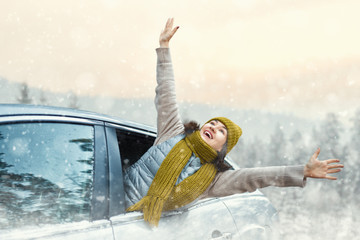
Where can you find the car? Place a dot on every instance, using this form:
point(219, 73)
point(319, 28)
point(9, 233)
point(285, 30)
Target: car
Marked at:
point(61, 177)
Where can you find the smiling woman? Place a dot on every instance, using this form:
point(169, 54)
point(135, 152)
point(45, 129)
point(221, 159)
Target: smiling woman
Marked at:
point(187, 164)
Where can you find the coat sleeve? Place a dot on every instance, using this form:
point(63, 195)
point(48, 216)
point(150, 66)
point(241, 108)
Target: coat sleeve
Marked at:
point(169, 123)
point(249, 179)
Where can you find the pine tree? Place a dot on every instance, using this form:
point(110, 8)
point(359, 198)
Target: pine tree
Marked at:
point(355, 137)
point(238, 154)
point(24, 94)
point(329, 137)
point(297, 151)
point(256, 154)
point(277, 147)
point(43, 100)
point(351, 169)
point(73, 100)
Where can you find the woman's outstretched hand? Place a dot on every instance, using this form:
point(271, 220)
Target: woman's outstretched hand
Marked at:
point(320, 169)
point(167, 33)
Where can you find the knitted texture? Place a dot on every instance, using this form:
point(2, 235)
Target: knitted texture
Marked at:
point(233, 131)
point(163, 194)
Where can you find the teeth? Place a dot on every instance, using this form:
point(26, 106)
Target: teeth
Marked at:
point(207, 134)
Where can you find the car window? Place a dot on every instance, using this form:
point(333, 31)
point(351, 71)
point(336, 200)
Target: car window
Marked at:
point(132, 146)
point(46, 173)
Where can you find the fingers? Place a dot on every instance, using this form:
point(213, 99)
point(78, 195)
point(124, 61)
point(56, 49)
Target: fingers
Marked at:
point(328, 161)
point(331, 178)
point(168, 30)
point(333, 170)
point(335, 166)
point(316, 154)
point(169, 23)
point(169, 26)
point(174, 31)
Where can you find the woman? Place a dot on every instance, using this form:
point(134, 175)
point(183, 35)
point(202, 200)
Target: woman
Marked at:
point(186, 162)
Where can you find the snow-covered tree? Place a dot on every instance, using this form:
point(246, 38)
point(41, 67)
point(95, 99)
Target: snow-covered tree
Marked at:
point(352, 157)
point(328, 137)
point(73, 100)
point(24, 94)
point(355, 135)
point(297, 150)
point(256, 153)
point(277, 147)
point(43, 100)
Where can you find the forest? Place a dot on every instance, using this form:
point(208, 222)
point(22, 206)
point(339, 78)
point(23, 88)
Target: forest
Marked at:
point(323, 209)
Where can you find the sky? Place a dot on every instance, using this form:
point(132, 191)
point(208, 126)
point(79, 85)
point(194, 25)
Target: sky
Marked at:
point(291, 56)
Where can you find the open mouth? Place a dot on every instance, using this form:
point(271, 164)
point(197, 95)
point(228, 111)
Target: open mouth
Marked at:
point(208, 134)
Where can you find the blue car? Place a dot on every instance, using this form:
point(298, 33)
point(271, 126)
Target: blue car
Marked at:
point(61, 177)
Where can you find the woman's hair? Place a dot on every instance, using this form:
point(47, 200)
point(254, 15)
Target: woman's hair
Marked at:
point(221, 165)
point(190, 127)
point(219, 161)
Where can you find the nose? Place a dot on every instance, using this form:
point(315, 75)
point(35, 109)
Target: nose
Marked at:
point(213, 128)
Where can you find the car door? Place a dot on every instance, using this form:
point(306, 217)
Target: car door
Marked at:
point(53, 178)
point(208, 219)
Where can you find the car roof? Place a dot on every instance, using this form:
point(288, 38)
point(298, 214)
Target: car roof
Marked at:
point(40, 110)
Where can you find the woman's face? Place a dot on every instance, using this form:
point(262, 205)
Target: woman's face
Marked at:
point(214, 133)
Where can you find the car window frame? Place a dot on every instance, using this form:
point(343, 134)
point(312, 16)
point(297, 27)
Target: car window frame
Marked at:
point(116, 184)
point(116, 177)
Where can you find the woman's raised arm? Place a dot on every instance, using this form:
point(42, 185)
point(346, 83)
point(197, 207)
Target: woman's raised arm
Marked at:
point(169, 122)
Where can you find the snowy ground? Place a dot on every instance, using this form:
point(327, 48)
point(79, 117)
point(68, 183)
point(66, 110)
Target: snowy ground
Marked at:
point(312, 213)
point(319, 226)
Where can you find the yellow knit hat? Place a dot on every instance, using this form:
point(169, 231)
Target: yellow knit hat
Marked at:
point(233, 131)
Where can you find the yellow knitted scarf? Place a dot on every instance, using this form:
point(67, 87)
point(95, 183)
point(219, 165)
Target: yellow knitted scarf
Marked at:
point(163, 194)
